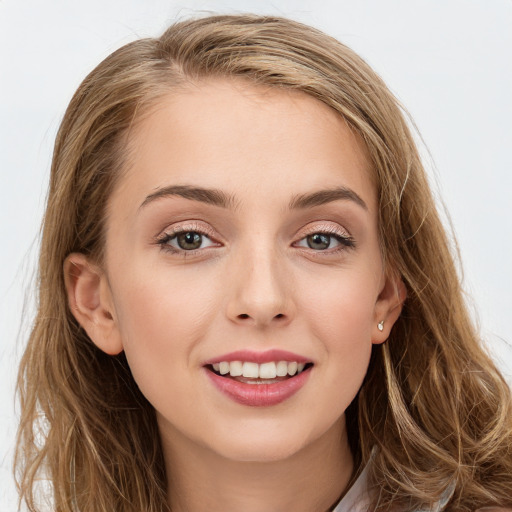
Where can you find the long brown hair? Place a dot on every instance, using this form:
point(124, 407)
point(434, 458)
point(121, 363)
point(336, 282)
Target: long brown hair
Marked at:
point(433, 403)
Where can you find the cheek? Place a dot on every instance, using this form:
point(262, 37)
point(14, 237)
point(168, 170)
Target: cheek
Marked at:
point(161, 318)
point(163, 303)
point(340, 315)
point(341, 310)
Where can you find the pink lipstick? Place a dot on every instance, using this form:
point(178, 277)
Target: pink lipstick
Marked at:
point(259, 379)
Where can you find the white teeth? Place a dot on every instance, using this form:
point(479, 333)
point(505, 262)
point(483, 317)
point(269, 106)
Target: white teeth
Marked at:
point(250, 370)
point(236, 368)
point(267, 371)
point(282, 369)
point(292, 368)
point(224, 368)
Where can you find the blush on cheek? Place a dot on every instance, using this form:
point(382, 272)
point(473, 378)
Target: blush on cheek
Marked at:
point(342, 316)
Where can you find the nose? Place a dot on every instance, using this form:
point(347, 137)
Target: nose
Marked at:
point(260, 290)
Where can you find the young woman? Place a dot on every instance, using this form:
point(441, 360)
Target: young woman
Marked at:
point(247, 300)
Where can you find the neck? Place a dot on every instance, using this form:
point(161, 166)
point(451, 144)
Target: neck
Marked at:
point(313, 478)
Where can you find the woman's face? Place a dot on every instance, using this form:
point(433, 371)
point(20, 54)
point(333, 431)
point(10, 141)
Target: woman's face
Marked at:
point(243, 238)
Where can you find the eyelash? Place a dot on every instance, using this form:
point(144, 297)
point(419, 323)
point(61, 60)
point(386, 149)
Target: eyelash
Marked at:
point(345, 241)
point(166, 237)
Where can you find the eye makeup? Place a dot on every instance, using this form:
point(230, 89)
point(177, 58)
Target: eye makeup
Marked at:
point(187, 238)
point(326, 238)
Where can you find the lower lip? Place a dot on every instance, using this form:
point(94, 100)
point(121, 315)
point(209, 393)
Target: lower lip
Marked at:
point(259, 395)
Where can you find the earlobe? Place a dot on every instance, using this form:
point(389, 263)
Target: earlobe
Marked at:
point(90, 302)
point(388, 307)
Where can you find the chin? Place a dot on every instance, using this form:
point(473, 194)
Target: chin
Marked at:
point(272, 442)
point(261, 452)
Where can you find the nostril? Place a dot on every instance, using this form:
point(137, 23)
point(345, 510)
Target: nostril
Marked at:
point(246, 316)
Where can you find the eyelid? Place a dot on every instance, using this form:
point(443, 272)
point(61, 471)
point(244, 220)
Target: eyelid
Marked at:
point(329, 228)
point(345, 239)
point(172, 231)
point(191, 225)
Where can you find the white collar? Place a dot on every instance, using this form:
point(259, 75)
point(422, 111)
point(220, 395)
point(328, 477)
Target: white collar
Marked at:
point(358, 498)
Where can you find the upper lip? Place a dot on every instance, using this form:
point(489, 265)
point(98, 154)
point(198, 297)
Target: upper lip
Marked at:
point(259, 357)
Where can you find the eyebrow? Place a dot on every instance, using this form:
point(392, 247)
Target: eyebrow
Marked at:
point(321, 197)
point(204, 195)
point(219, 198)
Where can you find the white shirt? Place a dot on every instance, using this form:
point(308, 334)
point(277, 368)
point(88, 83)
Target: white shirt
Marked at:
point(358, 498)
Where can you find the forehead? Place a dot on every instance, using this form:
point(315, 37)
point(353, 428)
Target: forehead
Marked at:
point(229, 134)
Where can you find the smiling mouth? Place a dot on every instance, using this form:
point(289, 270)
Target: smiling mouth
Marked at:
point(254, 373)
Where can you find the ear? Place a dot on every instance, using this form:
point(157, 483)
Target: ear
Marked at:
point(90, 301)
point(388, 307)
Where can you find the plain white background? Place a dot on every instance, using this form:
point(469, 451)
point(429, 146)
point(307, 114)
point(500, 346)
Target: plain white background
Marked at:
point(448, 61)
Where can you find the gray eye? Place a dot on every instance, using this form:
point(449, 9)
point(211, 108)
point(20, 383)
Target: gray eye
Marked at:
point(318, 241)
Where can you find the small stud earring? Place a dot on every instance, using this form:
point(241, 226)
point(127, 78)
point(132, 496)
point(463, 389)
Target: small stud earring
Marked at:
point(380, 325)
